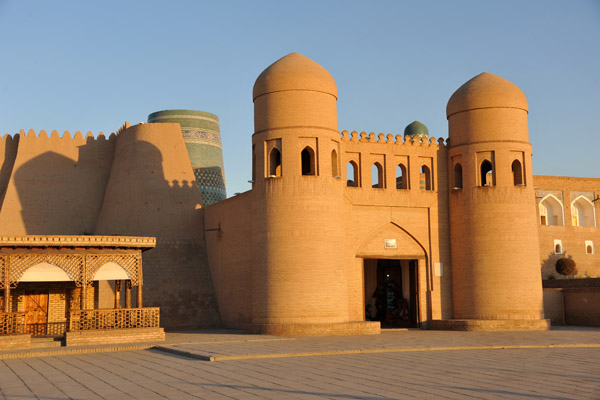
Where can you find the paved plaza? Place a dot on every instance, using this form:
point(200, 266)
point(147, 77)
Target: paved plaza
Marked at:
point(560, 364)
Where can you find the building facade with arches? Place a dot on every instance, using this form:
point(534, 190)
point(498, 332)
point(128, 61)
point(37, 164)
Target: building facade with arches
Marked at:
point(344, 229)
point(341, 233)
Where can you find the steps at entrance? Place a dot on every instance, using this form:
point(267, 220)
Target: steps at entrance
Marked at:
point(43, 342)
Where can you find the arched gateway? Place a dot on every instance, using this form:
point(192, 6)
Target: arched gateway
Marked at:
point(394, 262)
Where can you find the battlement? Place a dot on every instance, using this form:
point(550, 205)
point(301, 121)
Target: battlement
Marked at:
point(54, 135)
point(382, 138)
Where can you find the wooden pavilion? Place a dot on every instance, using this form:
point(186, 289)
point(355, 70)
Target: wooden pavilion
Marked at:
point(59, 285)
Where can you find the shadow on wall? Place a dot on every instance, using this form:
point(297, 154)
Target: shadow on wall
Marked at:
point(59, 195)
point(140, 201)
point(443, 222)
point(549, 265)
point(10, 154)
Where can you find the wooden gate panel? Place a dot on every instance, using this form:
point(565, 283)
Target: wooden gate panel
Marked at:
point(36, 313)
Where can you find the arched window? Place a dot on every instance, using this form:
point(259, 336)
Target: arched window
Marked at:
point(352, 174)
point(458, 177)
point(583, 212)
point(401, 177)
point(517, 172)
point(274, 163)
point(308, 161)
point(551, 211)
point(425, 176)
point(334, 164)
point(377, 175)
point(558, 247)
point(486, 173)
point(589, 247)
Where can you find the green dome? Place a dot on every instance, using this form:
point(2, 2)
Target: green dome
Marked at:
point(416, 128)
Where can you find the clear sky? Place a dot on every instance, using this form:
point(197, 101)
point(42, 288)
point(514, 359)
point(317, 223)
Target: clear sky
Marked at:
point(92, 65)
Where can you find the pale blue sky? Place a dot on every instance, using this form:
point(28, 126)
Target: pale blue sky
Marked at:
point(90, 66)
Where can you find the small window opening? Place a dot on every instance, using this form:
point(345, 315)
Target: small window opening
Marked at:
point(401, 177)
point(517, 173)
point(352, 174)
point(308, 161)
point(334, 164)
point(377, 176)
point(274, 163)
point(458, 177)
point(425, 178)
point(558, 249)
point(486, 173)
point(589, 249)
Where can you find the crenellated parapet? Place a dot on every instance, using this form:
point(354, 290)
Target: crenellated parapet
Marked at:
point(46, 178)
point(389, 138)
point(414, 163)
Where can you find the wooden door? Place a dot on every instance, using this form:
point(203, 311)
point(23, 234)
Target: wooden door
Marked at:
point(36, 313)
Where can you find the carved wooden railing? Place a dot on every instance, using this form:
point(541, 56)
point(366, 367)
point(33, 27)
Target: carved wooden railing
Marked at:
point(119, 318)
point(12, 323)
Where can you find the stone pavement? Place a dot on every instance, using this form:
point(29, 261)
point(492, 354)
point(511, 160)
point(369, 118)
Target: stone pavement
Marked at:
point(559, 364)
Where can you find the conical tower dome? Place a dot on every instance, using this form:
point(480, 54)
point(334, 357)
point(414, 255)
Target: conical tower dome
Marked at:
point(486, 91)
point(294, 72)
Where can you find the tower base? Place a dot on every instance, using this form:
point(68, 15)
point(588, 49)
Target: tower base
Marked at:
point(490, 325)
point(333, 329)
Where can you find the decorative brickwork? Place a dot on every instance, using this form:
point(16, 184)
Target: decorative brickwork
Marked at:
point(211, 183)
point(123, 318)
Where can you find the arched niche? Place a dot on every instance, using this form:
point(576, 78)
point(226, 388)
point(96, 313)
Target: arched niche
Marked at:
point(401, 177)
point(486, 177)
point(583, 212)
point(307, 157)
point(517, 172)
point(335, 170)
point(458, 177)
point(110, 272)
point(274, 163)
point(352, 174)
point(551, 211)
point(376, 175)
point(407, 246)
point(45, 272)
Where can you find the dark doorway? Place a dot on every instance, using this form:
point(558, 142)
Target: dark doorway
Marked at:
point(391, 292)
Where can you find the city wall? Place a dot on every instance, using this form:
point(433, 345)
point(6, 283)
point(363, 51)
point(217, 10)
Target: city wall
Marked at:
point(133, 182)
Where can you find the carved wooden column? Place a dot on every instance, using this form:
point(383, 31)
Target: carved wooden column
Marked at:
point(139, 296)
point(83, 303)
point(128, 293)
point(7, 285)
point(139, 279)
point(118, 293)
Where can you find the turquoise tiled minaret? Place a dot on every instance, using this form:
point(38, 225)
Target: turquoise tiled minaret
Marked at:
point(202, 138)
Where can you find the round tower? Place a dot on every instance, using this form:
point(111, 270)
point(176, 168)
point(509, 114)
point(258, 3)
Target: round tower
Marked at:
point(493, 226)
point(299, 277)
point(202, 137)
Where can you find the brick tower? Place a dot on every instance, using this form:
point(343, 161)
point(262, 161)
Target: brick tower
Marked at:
point(299, 276)
point(493, 228)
